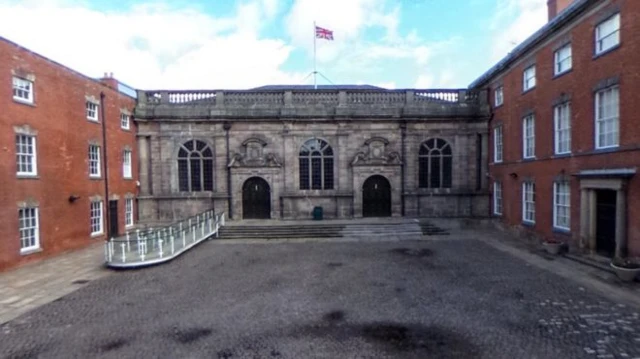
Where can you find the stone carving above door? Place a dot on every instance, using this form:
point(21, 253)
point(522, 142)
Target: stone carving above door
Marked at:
point(376, 153)
point(252, 155)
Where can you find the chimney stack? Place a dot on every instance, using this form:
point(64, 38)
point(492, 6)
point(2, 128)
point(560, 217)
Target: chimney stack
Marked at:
point(108, 80)
point(555, 7)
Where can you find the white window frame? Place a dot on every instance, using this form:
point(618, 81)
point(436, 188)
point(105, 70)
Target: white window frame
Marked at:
point(601, 36)
point(529, 78)
point(125, 121)
point(528, 202)
point(92, 111)
point(562, 203)
point(29, 232)
point(20, 86)
point(128, 212)
point(529, 138)
point(562, 128)
point(497, 198)
point(96, 215)
point(94, 161)
point(610, 119)
point(499, 96)
point(498, 144)
point(25, 157)
point(563, 60)
point(127, 164)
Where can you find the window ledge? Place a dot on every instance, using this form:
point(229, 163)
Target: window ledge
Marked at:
point(27, 176)
point(92, 120)
point(26, 252)
point(528, 224)
point(125, 129)
point(606, 149)
point(128, 178)
point(95, 178)
point(495, 107)
point(95, 235)
point(24, 102)
point(529, 159)
point(528, 90)
point(561, 230)
point(561, 155)
point(605, 52)
point(498, 215)
point(562, 74)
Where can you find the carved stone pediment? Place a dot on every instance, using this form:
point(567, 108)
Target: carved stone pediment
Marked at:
point(253, 155)
point(376, 153)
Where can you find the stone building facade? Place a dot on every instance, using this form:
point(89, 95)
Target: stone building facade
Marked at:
point(281, 153)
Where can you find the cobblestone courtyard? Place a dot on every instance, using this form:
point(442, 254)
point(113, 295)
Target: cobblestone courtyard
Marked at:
point(454, 298)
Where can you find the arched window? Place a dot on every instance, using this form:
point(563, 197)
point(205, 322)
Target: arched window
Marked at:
point(316, 165)
point(195, 167)
point(435, 164)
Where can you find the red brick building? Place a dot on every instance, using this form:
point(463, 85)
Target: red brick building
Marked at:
point(565, 130)
point(68, 162)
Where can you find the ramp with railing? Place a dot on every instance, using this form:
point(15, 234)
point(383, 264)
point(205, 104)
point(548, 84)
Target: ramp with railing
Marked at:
point(144, 247)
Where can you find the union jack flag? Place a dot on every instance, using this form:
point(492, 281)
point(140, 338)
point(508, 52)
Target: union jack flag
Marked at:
point(322, 33)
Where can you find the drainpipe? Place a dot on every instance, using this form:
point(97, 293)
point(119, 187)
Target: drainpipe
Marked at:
point(227, 127)
point(105, 167)
point(403, 129)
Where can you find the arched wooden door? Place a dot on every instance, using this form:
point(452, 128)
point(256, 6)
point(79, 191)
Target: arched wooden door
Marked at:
point(256, 199)
point(376, 197)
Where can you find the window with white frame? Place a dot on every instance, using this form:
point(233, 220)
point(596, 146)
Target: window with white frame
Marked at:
point(608, 34)
point(124, 121)
point(497, 198)
point(128, 212)
point(26, 155)
point(96, 218)
point(22, 90)
point(528, 202)
point(499, 96)
point(92, 111)
point(29, 229)
point(497, 144)
point(529, 78)
point(126, 164)
point(562, 205)
point(94, 161)
point(607, 117)
point(562, 125)
point(563, 60)
point(528, 137)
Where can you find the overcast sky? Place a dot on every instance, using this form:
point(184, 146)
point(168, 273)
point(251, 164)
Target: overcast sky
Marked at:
point(218, 44)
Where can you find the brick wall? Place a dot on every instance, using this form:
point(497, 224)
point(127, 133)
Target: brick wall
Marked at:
point(58, 116)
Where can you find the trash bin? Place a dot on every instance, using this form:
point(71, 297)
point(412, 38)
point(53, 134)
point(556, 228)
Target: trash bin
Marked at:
point(317, 213)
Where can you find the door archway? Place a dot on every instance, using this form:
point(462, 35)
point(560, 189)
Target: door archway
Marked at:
point(376, 197)
point(256, 199)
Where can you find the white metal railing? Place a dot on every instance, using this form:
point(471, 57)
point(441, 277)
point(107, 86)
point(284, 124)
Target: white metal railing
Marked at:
point(157, 245)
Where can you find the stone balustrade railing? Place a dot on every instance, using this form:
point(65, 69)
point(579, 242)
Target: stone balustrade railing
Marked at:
point(156, 245)
point(230, 98)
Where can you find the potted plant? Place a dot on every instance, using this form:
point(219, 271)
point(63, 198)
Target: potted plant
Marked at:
point(552, 245)
point(625, 268)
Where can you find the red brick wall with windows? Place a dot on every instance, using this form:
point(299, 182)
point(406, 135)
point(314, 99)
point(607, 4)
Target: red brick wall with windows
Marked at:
point(58, 115)
point(587, 72)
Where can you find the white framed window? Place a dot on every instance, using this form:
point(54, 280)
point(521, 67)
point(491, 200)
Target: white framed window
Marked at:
point(562, 126)
point(528, 202)
point(26, 160)
point(94, 161)
point(529, 78)
point(528, 137)
point(96, 218)
point(29, 229)
point(497, 198)
point(562, 205)
point(22, 90)
point(497, 144)
point(499, 96)
point(126, 163)
point(607, 117)
point(125, 121)
point(128, 212)
point(563, 60)
point(608, 34)
point(92, 111)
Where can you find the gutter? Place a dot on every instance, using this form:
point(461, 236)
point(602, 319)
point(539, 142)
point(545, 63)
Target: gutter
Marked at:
point(105, 167)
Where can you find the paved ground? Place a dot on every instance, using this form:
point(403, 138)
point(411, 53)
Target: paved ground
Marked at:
point(456, 298)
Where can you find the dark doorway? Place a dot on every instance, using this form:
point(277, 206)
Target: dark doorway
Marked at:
point(376, 197)
point(606, 222)
point(256, 199)
point(113, 219)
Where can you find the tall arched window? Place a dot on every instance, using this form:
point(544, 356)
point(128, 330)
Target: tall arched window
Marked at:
point(195, 167)
point(316, 165)
point(435, 164)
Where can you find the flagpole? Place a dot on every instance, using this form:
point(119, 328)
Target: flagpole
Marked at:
point(315, 72)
